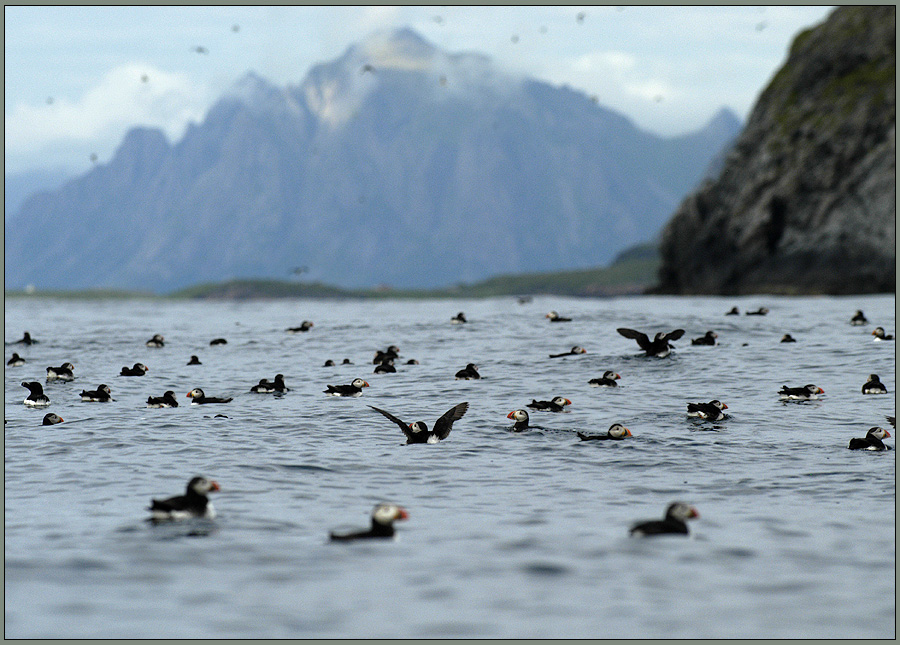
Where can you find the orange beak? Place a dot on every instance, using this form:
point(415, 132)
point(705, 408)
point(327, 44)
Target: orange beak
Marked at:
point(628, 433)
point(213, 486)
point(510, 415)
point(694, 512)
point(886, 433)
point(820, 390)
point(618, 377)
point(724, 406)
point(402, 514)
point(365, 384)
point(568, 402)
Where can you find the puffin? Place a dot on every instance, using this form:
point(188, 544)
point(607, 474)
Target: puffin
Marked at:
point(858, 318)
point(521, 420)
point(872, 440)
point(418, 432)
point(879, 334)
point(62, 373)
point(459, 318)
point(346, 361)
point(279, 385)
point(874, 385)
point(306, 325)
point(805, 393)
point(263, 387)
point(15, 361)
point(139, 369)
point(555, 317)
point(616, 431)
point(37, 398)
point(51, 419)
point(557, 404)
point(328, 363)
point(387, 367)
point(659, 346)
point(198, 397)
point(468, 373)
point(733, 312)
point(711, 411)
point(787, 338)
point(608, 379)
point(674, 522)
point(194, 361)
point(25, 340)
point(575, 350)
point(354, 389)
point(167, 400)
point(156, 341)
point(101, 395)
point(218, 341)
point(762, 311)
point(709, 338)
point(392, 352)
point(194, 502)
point(383, 518)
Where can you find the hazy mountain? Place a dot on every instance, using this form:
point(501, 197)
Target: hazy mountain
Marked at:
point(18, 186)
point(396, 163)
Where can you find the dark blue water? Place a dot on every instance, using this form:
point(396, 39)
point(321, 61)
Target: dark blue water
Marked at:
point(509, 535)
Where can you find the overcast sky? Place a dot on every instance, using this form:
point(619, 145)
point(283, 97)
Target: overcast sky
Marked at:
point(77, 78)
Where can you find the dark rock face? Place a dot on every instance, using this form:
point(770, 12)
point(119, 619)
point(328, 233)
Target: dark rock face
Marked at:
point(806, 199)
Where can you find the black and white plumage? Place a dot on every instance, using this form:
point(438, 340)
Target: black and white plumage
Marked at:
point(15, 361)
point(353, 389)
point(194, 502)
point(787, 338)
point(556, 404)
point(709, 338)
point(574, 351)
point(194, 360)
point(674, 523)
point(555, 317)
point(458, 318)
point(762, 311)
point(806, 393)
point(608, 379)
point(418, 432)
point(859, 318)
point(218, 341)
point(874, 385)
point(521, 420)
point(879, 334)
point(156, 341)
point(199, 398)
point(36, 398)
point(468, 373)
point(616, 432)
point(103, 394)
point(64, 372)
point(711, 411)
point(263, 387)
point(167, 400)
point(383, 518)
point(139, 369)
point(872, 440)
point(51, 419)
point(660, 346)
point(305, 326)
point(392, 353)
point(387, 367)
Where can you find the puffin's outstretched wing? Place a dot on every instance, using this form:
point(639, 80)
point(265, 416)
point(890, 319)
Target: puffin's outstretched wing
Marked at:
point(674, 335)
point(403, 426)
point(642, 340)
point(443, 425)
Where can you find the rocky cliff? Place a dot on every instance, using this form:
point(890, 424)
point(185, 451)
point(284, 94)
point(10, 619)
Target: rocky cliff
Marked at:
point(806, 198)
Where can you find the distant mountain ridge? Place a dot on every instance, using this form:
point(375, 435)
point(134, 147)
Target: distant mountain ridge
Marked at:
point(394, 164)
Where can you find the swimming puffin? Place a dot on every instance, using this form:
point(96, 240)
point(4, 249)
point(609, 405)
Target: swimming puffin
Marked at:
point(711, 411)
point(101, 395)
point(762, 311)
point(468, 373)
point(555, 317)
point(616, 431)
point(874, 385)
point(24, 340)
point(198, 397)
point(383, 518)
point(787, 338)
point(263, 387)
point(218, 341)
point(805, 393)
point(346, 361)
point(51, 419)
point(607, 380)
point(306, 325)
point(167, 400)
point(733, 312)
point(674, 523)
point(521, 419)
point(458, 318)
point(879, 334)
point(659, 346)
point(709, 338)
point(37, 398)
point(418, 432)
point(15, 361)
point(557, 404)
point(156, 341)
point(392, 352)
point(279, 385)
point(859, 318)
point(328, 363)
point(574, 350)
point(139, 369)
point(62, 373)
point(194, 502)
point(387, 367)
point(194, 361)
point(872, 440)
point(354, 389)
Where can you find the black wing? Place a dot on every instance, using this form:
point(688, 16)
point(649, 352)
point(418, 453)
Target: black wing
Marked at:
point(176, 503)
point(640, 337)
point(443, 425)
point(403, 426)
point(674, 335)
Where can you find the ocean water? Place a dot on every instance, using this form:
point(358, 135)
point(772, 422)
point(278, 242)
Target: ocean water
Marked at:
point(509, 534)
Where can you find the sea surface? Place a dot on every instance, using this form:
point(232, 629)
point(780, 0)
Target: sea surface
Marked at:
point(509, 535)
